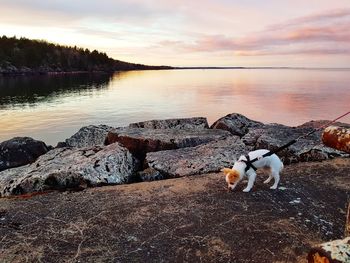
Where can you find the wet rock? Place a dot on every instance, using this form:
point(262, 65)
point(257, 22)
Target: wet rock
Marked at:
point(20, 151)
point(179, 124)
point(64, 168)
point(140, 141)
point(87, 136)
point(272, 136)
point(206, 158)
point(236, 123)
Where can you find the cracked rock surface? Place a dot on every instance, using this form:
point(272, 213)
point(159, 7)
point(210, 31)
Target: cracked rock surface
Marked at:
point(205, 158)
point(196, 123)
point(140, 141)
point(88, 136)
point(64, 168)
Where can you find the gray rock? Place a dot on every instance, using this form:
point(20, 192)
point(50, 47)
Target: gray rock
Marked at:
point(88, 136)
point(319, 123)
point(206, 158)
point(236, 123)
point(272, 136)
point(20, 151)
point(64, 168)
point(184, 123)
point(140, 141)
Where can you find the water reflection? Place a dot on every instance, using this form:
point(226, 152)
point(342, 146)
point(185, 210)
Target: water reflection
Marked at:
point(52, 108)
point(19, 91)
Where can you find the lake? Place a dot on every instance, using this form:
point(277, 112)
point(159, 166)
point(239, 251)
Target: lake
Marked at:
point(52, 108)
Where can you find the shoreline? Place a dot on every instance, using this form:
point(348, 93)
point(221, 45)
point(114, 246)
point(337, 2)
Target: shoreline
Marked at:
point(153, 191)
point(48, 73)
point(148, 151)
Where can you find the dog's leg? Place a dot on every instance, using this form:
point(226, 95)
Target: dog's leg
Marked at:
point(268, 179)
point(251, 181)
point(275, 175)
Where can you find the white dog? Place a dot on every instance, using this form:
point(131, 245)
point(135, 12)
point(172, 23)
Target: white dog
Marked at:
point(241, 168)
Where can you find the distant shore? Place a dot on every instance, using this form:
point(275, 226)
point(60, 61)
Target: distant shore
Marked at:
point(36, 72)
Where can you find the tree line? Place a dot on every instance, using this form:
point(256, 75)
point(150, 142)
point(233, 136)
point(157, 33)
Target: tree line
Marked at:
point(23, 53)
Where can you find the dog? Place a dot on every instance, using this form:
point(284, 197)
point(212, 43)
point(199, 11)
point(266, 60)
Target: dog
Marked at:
point(239, 171)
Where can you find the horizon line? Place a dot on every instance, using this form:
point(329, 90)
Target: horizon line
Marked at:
point(258, 67)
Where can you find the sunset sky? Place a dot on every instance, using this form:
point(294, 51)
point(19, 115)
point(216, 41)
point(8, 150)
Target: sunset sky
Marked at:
point(312, 33)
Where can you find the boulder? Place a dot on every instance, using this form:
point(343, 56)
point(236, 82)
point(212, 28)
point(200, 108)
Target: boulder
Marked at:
point(88, 136)
point(272, 136)
point(20, 151)
point(337, 138)
point(179, 124)
point(236, 123)
point(319, 123)
point(64, 168)
point(206, 158)
point(140, 141)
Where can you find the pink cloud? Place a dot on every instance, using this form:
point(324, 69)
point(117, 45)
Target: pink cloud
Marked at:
point(326, 33)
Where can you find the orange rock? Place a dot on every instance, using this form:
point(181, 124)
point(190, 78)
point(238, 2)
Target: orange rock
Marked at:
point(337, 138)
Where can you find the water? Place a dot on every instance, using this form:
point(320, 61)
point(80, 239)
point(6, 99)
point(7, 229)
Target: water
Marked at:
point(52, 108)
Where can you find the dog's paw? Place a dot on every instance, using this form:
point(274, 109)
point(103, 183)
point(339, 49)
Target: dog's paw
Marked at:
point(246, 190)
point(273, 187)
point(266, 181)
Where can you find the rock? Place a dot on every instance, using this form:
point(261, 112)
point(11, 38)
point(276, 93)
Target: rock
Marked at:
point(149, 175)
point(179, 124)
point(87, 136)
point(206, 158)
point(333, 251)
point(236, 123)
point(64, 168)
point(337, 138)
point(140, 141)
point(20, 151)
point(320, 123)
point(272, 136)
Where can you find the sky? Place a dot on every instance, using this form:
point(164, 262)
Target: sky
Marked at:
point(295, 33)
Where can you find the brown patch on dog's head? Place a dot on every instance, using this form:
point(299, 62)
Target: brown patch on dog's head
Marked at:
point(231, 175)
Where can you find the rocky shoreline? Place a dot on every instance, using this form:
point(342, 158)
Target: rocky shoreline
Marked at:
point(191, 217)
point(147, 151)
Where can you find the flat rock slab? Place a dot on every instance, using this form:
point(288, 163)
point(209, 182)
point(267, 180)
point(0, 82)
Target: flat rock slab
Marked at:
point(88, 136)
point(179, 124)
point(64, 168)
point(206, 158)
point(272, 136)
point(20, 151)
point(189, 219)
point(140, 141)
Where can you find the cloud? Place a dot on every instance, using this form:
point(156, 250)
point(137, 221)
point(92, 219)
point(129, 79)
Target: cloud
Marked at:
point(325, 33)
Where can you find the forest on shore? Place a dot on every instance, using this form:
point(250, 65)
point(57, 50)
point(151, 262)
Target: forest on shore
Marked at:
point(26, 56)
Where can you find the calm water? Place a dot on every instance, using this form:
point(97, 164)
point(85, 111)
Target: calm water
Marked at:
point(52, 108)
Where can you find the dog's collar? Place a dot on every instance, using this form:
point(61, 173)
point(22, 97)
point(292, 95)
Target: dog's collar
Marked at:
point(249, 164)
